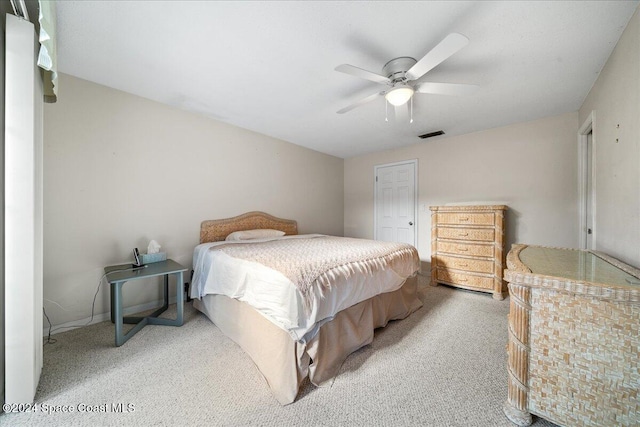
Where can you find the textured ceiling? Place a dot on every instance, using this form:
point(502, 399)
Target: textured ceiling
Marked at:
point(269, 66)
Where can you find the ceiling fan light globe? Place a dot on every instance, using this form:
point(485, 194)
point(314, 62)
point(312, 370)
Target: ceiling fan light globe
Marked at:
point(399, 95)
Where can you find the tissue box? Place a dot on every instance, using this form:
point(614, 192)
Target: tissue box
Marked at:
point(150, 258)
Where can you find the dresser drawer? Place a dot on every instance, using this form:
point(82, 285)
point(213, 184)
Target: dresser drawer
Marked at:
point(465, 279)
point(466, 249)
point(477, 234)
point(462, 218)
point(476, 265)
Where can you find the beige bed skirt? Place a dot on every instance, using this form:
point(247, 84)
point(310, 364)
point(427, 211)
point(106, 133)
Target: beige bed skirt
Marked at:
point(284, 362)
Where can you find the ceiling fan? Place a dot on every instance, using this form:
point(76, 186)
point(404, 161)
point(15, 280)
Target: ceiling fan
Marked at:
point(402, 74)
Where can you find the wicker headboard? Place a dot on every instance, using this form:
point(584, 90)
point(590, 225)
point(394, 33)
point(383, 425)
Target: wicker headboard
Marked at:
point(218, 229)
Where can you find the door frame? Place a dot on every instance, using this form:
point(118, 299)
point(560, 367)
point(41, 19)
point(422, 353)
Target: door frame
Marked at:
point(415, 196)
point(589, 126)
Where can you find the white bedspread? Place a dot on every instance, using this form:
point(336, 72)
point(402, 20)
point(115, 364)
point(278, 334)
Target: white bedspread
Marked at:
point(275, 296)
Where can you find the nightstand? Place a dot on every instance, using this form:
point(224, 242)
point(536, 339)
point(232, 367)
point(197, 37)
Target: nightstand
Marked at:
point(118, 275)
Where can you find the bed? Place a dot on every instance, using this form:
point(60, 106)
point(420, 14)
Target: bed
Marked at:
point(298, 305)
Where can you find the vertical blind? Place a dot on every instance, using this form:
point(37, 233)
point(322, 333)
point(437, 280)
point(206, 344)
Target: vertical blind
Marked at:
point(23, 212)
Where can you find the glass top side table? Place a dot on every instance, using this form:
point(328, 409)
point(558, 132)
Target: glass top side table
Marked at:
point(118, 275)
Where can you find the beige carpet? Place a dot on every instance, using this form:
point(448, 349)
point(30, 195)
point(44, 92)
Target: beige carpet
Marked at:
point(445, 365)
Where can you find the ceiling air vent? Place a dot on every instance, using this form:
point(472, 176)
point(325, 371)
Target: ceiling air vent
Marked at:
point(431, 134)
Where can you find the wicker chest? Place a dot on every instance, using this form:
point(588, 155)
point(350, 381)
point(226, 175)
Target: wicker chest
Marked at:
point(467, 246)
point(573, 351)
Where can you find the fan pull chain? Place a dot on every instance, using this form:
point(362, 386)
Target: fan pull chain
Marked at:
point(386, 110)
point(411, 116)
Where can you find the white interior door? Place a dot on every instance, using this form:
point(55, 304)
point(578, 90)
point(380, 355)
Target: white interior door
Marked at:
point(587, 184)
point(588, 179)
point(395, 202)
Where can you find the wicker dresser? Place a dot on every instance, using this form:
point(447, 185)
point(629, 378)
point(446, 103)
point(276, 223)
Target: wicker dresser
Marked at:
point(467, 244)
point(573, 352)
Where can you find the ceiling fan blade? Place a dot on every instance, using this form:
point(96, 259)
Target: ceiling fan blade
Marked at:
point(456, 89)
point(447, 47)
point(363, 74)
point(361, 102)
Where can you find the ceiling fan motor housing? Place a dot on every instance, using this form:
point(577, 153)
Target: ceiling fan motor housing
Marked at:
point(396, 69)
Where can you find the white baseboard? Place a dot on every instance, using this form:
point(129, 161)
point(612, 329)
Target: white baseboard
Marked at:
point(68, 326)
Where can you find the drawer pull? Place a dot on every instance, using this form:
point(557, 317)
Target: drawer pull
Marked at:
point(464, 219)
point(464, 234)
point(463, 280)
point(464, 265)
point(463, 249)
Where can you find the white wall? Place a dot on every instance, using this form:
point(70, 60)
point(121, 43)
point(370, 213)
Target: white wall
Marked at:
point(615, 98)
point(121, 170)
point(531, 167)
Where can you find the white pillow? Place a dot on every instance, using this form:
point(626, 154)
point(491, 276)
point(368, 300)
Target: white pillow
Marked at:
point(254, 234)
